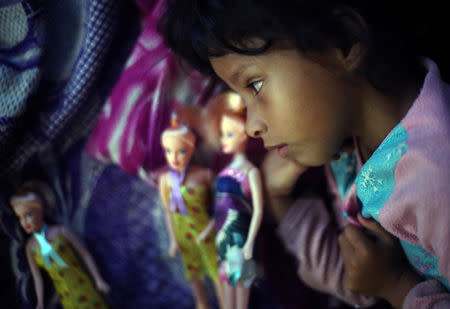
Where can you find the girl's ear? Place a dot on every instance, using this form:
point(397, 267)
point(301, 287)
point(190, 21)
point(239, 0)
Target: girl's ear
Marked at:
point(354, 39)
point(355, 57)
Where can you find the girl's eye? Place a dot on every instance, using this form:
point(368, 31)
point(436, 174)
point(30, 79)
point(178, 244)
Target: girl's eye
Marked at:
point(230, 134)
point(29, 215)
point(182, 152)
point(168, 151)
point(256, 86)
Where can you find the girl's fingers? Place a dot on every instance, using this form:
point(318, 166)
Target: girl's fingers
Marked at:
point(347, 248)
point(359, 240)
point(376, 229)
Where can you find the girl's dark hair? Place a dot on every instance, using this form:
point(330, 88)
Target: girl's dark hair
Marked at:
point(199, 29)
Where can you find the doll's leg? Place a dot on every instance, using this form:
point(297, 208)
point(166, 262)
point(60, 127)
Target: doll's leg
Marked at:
point(200, 295)
point(242, 296)
point(218, 286)
point(230, 296)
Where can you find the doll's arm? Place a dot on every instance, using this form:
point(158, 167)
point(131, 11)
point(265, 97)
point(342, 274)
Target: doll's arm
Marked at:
point(201, 237)
point(37, 277)
point(163, 188)
point(254, 178)
point(86, 257)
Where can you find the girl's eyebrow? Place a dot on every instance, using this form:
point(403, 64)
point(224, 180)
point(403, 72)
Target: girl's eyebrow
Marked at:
point(238, 72)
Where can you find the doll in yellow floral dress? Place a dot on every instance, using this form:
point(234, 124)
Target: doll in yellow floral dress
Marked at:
point(185, 191)
point(56, 249)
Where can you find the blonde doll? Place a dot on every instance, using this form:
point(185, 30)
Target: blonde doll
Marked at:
point(56, 249)
point(185, 193)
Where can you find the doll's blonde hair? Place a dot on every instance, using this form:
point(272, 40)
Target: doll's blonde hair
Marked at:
point(180, 131)
point(228, 104)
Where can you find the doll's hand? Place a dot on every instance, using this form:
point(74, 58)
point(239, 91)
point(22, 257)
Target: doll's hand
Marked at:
point(247, 251)
point(173, 248)
point(374, 265)
point(201, 237)
point(40, 306)
point(102, 286)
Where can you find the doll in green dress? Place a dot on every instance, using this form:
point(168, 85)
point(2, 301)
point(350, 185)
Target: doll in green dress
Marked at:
point(57, 250)
point(185, 192)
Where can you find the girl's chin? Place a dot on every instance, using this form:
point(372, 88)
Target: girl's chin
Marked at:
point(308, 162)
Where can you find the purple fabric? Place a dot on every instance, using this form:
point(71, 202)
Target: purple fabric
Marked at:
point(176, 198)
point(151, 85)
point(224, 202)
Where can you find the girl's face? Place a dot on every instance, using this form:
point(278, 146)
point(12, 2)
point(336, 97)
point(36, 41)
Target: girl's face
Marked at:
point(294, 104)
point(233, 135)
point(29, 215)
point(178, 152)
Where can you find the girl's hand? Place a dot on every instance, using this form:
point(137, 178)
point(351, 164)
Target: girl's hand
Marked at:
point(40, 306)
point(173, 248)
point(102, 286)
point(374, 264)
point(247, 251)
point(280, 174)
point(279, 178)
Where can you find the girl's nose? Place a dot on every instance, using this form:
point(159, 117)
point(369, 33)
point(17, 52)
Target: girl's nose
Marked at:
point(255, 126)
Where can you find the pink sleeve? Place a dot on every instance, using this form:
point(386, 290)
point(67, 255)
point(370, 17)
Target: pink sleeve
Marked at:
point(308, 232)
point(429, 294)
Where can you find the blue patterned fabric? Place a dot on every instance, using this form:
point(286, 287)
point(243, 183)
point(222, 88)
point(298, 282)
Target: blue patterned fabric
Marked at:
point(376, 181)
point(344, 171)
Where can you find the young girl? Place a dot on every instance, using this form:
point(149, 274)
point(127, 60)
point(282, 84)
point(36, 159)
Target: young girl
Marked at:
point(238, 208)
point(319, 78)
point(56, 249)
point(185, 192)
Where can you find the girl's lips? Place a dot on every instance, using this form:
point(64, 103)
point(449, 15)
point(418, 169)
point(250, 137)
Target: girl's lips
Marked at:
point(283, 150)
point(176, 163)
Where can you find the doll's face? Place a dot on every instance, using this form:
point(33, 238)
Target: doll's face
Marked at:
point(302, 107)
point(29, 215)
point(233, 135)
point(178, 152)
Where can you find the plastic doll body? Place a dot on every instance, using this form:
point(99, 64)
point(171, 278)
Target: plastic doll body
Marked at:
point(56, 249)
point(185, 192)
point(237, 213)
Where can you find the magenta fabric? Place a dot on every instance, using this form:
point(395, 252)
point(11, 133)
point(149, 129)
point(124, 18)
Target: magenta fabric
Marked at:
point(152, 84)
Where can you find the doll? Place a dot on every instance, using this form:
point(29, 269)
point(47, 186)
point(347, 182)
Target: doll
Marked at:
point(185, 191)
point(56, 249)
point(238, 208)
